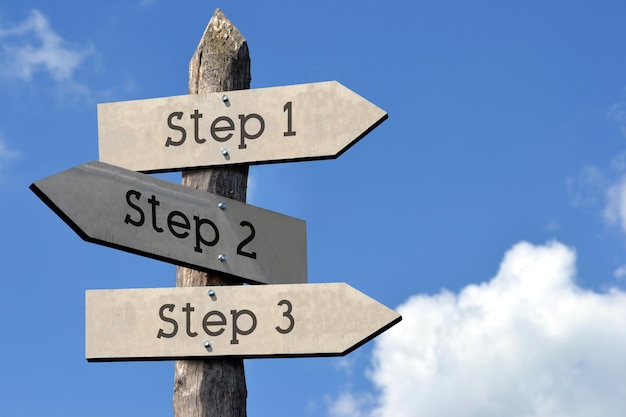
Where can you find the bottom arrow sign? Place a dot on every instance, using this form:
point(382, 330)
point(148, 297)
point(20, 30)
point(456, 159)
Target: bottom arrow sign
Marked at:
point(295, 320)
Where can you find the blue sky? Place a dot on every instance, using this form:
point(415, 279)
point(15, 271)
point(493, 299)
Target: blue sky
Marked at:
point(489, 209)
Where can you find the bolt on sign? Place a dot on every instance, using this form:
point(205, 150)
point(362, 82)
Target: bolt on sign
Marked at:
point(291, 123)
point(291, 320)
point(138, 213)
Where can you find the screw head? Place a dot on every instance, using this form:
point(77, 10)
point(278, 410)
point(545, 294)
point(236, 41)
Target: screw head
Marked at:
point(224, 151)
point(211, 293)
point(222, 206)
point(224, 98)
point(206, 344)
point(222, 257)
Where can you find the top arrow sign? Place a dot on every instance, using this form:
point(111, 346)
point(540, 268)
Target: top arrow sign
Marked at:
point(292, 123)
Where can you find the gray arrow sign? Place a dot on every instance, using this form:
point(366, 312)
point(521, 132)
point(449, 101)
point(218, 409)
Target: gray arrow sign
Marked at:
point(245, 321)
point(148, 216)
point(291, 123)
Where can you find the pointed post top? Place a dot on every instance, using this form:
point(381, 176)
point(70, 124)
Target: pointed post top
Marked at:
point(221, 50)
point(222, 29)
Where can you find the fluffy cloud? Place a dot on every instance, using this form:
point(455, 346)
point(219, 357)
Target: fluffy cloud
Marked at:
point(530, 342)
point(33, 46)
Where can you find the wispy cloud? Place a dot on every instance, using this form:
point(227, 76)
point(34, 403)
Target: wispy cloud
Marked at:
point(146, 3)
point(587, 188)
point(349, 405)
point(6, 155)
point(620, 273)
point(603, 190)
point(33, 47)
point(529, 342)
point(615, 211)
point(617, 112)
point(609, 183)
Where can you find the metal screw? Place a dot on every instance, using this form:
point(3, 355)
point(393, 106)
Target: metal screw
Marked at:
point(224, 98)
point(222, 206)
point(222, 257)
point(211, 293)
point(206, 344)
point(224, 151)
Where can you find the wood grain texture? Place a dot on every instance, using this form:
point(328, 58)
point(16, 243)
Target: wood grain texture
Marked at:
point(216, 387)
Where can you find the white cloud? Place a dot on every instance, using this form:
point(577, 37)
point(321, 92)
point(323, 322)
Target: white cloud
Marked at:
point(615, 211)
point(528, 343)
point(34, 47)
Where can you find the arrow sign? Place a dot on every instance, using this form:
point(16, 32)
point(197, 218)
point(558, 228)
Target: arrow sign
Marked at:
point(148, 216)
point(243, 321)
point(292, 123)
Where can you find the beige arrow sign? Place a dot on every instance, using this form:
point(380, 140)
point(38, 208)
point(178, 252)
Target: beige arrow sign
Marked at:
point(294, 320)
point(291, 123)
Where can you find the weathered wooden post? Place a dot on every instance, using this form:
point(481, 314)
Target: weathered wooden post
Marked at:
point(214, 387)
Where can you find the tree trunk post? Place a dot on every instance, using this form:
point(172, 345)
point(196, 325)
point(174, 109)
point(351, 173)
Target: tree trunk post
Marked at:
point(214, 387)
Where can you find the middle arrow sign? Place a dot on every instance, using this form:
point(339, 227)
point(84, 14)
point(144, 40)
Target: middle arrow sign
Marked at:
point(148, 216)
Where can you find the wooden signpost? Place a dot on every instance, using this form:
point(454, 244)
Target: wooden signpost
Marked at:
point(141, 214)
point(295, 320)
point(205, 227)
point(292, 123)
point(215, 387)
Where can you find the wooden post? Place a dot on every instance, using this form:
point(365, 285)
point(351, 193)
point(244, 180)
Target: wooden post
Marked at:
point(214, 387)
